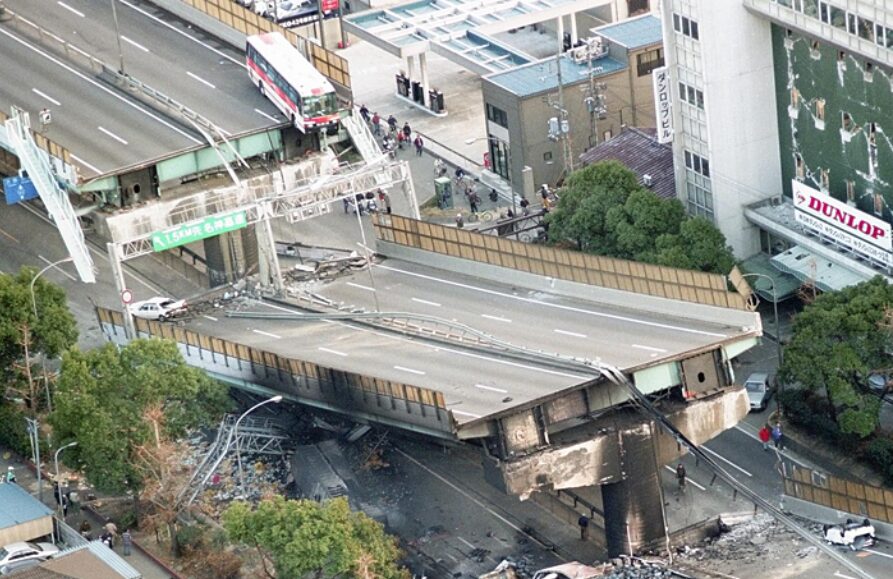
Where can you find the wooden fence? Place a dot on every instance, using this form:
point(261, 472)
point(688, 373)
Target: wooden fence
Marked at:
point(837, 493)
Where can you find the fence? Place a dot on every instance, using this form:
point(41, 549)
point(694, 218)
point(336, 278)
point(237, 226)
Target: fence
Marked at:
point(618, 274)
point(840, 494)
point(249, 23)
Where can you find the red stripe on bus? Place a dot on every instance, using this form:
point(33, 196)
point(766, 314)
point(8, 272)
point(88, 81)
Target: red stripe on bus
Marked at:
point(267, 80)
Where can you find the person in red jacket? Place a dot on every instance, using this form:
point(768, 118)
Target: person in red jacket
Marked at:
point(765, 435)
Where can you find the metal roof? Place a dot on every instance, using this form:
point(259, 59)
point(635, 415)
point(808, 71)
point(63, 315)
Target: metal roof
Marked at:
point(17, 506)
point(539, 77)
point(808, 267)
point(639, 150)
point(634, 32)
point(95, 560)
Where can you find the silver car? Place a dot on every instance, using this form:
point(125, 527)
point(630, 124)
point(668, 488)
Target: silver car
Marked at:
point(758, 390)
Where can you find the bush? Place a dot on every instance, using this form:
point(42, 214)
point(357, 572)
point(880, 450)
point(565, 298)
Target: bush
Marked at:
point(191, 538)
point(13, 432)
point(879, 453)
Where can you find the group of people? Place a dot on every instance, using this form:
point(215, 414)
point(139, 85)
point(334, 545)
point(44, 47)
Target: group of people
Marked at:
point(773, 433)
point(109, 535)
point(396, 136)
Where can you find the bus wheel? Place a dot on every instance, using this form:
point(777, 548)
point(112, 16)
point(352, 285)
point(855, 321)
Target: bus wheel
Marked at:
point(260, 86)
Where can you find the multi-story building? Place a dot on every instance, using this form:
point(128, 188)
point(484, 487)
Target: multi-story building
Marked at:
point(781, 111)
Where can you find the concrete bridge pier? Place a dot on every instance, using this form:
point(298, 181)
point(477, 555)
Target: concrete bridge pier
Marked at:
point(230, 256)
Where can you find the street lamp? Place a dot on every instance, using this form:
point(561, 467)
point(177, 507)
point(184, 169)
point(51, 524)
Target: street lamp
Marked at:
point(58, 489)
point(40, 273)
point(276, 399)
point(508, 160)
point(118, 35)
point(777, 331)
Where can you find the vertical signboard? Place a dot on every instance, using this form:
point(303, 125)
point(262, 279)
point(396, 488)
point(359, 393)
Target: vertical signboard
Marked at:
point(664, 124)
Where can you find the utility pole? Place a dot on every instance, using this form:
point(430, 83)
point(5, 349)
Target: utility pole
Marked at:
point(564, 124)
point(595, 96)
point(34, 434)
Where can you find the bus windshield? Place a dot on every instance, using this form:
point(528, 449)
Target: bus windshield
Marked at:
point(317, 106)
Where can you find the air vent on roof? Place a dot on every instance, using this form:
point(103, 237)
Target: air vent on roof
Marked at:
point(647, 180)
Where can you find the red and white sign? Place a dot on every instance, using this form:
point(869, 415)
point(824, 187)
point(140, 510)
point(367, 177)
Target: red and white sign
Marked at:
point(126, 296)
point(847, 225)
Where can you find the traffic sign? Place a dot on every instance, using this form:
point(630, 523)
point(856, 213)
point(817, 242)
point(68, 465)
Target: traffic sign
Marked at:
point(198, 230)
point(18, 189)
point(126, 296)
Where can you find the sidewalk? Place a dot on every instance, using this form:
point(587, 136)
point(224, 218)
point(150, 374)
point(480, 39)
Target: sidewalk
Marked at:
point(27, 479)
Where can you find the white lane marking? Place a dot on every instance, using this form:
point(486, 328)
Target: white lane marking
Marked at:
point(39, 92)
point(134, 43)
point(572, 334)
point(200, 79)
point(56, 267)
point(70, 9)
point(649, 348)
point(460, 413)
point(787, 454)
point(410, 370)
point(687, 479)
point(466, 542)
point(112, 135)
point(100, 86)
point(491, 388)
point(330, 351)
point(85, 163)
point(272, 118)
point(263, 333)
point(557, 306)
point(362, 287)
point(878, 553)
point(496, 318)
point(212, 318)
point(727, 461)
point(366, 247)
point(842, 576)
point(426, 302)
point(9, 235)
point(182, 33)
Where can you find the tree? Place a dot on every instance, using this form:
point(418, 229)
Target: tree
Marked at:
point(837, 341)
point(307, 539)
point(103, 397)
point(698, 245)
point(642, 219)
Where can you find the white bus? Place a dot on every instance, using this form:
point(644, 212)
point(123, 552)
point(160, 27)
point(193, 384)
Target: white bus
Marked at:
point(284, 76)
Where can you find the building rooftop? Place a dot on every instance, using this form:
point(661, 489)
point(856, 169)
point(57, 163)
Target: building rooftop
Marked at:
point(17, 506)
point(91, 561)
point(639, 150)
point(542, 77)
point(634, 32)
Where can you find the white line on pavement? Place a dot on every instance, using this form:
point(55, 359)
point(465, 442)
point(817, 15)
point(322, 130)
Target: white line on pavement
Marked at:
point(888, 556)
point(572, 334)
point(134, 43)
point(460, 413)
point(212, 318)
point(263, 333)
point(550, 305)
point(56, 267)
point(362, 287)
point(842, 576)
point(687, 479)
point(496, 318)
point(39, 92)
point(272, 118)
point(410, 370)
point(787, 455)
point(112, 135)
point(727, 461)
point(466, 542)
point(649, 348)
point(491, 388)
point(70, 9)
point(200, 79)
point(85, 163)
point(330, 351)
point(9, 235)
point(426, 302)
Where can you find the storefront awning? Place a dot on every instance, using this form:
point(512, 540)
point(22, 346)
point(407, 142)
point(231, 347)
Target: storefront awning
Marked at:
point(785, 284)
point(810, 268)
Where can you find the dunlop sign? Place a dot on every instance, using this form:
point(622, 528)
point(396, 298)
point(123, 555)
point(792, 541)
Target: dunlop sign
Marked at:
point(844, 224)
point(196, 231)
point(661, 78)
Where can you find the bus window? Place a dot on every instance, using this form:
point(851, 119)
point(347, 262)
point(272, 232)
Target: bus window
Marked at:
point(319, 106)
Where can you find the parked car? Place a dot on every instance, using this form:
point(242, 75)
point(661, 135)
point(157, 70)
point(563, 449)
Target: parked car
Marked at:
point(851, 534)
point(573, 570)
point(15, 566)
point(158, 308)
point(879, 383)
point(23, 551)
point(759, 391)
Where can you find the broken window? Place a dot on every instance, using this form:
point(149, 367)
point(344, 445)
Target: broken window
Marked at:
point(814, 50)
point(826, 179)
point(878, 204)
point(820, 109)
point(799, 166)
point(795, 98)
point(851, 191)
point(846, 122)
point(872, 134)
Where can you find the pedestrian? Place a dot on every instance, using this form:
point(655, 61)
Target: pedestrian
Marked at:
point(364, 112)
point(85, 529)
point(473, 200)
point(11, 474)
point(583, 521)
point(524, 204)
point(494, 196)
point(392, 123)
point(401, 138)
point(680, 477)
point(56, 492)
point(765, 436)
point(107, 540)
point(407, 131)
point(460, 223)
point(346, 204)
point(111, 528)
point(65, 504)
point(778, 436)
point(419, 144)
point(127, 542)
point(376, 124)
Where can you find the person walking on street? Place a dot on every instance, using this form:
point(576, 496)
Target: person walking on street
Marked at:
point(583, 521)
point(127, 542)
point(65, 503)
point(680, 477)
point(392, 123)
point(473, 201)
point(778, 436)
point(85, 529)
point(10, 475)
point(111, 528)
point(376, 124)
point(460, 223)
point(364, 112)
point(56, 492)
point(765, 436)
point(419, 144)
point(407, 131)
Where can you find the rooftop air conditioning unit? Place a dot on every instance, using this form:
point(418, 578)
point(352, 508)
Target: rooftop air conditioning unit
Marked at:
point(647, 180)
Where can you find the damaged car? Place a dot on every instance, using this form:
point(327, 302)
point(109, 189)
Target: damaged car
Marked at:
point(852, 534)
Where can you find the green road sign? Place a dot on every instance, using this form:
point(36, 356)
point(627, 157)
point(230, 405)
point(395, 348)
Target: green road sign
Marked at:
point(208, 227)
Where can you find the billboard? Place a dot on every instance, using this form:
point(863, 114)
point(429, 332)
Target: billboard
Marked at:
point(294, 13)
point(664, 123)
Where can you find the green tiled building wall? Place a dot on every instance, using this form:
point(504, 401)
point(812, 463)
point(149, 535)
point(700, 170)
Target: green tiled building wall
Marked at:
point(866, 101)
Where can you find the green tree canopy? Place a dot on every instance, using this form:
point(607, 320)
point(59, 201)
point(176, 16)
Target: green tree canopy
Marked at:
point(308, 539)
point(604, 210)
point(103, 397)
point(838, 340)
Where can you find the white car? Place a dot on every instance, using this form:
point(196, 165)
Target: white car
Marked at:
point(22, 551)
point(158, 308)
point(854, 535)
